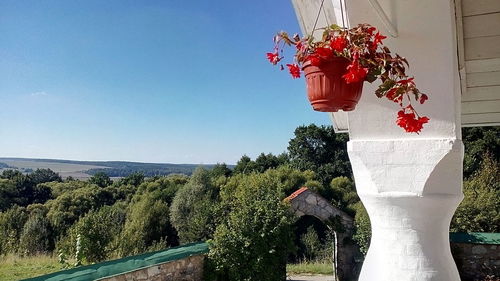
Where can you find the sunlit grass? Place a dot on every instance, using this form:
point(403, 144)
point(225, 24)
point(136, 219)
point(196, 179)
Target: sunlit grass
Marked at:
point(15, 268)
point(309, 268)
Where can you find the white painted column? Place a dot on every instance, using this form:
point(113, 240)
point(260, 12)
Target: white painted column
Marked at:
point(410, 184)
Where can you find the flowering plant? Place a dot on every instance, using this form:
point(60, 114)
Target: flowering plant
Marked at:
point(369, 60)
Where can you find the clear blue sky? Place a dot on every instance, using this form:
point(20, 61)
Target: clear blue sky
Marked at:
point(153, 81)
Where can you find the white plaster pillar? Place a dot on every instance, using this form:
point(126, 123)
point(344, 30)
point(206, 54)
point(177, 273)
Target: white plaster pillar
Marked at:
point(410, 184)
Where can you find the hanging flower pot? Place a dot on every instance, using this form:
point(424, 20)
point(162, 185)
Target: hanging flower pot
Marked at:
point(336, 66)
point(326, 88)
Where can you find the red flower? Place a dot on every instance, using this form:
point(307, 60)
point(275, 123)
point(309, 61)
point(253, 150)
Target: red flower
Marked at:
point(408, 81)
point(370, 30)
point(355, 73)
point(409, 122)
point(294, 70)
point(423, 98)
point(299, 45)
point(377, 40)
point(392, 94)
point(338, 44)
point(314, 59)
point(273, 58)
point(324, 52)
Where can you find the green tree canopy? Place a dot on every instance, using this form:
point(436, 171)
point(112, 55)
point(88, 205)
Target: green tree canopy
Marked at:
point(254, 240)
point(320, 150)
point(193, 209)
point(478, 141)
point(480, 209)
point(100, 179)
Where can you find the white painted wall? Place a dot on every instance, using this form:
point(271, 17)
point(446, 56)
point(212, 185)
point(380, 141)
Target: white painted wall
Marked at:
point(427, 39)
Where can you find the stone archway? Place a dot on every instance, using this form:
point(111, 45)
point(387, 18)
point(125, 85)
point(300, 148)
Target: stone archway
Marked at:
point(307, 202)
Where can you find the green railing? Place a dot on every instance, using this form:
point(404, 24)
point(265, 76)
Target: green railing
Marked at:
point(476, 238)
point(128, 264)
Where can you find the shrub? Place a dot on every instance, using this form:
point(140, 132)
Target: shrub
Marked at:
point(480, 209)
point(363, 231)
point(97, 231)
point(11, 227)
point(254, 241)
point(193, 209)
point(36, 237)
point(311, 243)
point(147, 224)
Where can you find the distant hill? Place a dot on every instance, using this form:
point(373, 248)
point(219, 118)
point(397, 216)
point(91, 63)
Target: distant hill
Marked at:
point(85, 169)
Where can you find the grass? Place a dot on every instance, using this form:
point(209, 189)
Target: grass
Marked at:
point(309, 268)
point(16, 268)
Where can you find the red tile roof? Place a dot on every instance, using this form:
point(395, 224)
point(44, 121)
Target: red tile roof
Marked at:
point(296, 193)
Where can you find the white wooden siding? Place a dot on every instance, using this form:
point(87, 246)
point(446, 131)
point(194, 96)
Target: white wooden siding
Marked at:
point(481, 39)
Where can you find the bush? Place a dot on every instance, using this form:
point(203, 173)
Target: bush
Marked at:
point(480, 209)
point(254, 240)
point(193, 209)
point(36, 237)
point(67, 208)
point(312, 245)
point(11, 227)
point(147, 225)
point(98, 231)
point(363, 231)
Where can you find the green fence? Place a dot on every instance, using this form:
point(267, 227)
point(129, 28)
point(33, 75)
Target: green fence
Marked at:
point(128, 264)
point(476, 238)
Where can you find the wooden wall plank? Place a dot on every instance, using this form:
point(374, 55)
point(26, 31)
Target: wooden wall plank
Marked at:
point(478, 7)
point(482, 25)
point(482, 47)
point(482, 79)
point(481, 119)
point(475, 107)
point(486, 65)
point(482, 93)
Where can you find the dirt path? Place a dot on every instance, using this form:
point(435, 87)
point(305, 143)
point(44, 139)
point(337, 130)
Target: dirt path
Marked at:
point(310, 278)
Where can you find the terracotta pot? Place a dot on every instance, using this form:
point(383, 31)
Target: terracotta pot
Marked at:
point(327, 90)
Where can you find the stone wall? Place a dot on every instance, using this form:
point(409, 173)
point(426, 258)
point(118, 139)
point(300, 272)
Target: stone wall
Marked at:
point(306, 202)
point(187, 269)
point(182, 263)
point(476, 261)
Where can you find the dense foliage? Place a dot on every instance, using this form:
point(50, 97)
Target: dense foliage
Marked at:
point(254, 240)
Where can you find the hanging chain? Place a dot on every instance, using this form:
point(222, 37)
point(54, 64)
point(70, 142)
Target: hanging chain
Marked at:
point(342, 12)
point(343, 7)
point(317, 17)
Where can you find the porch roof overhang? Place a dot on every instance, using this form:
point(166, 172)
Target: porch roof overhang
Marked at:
point(478, 54)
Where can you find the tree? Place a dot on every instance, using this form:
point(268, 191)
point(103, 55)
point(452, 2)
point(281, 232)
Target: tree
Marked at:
point(193, 208)
point(480, 209)
point(100, 179)
point(363, 232)
point(8, 194)
point(342, 193)
point(220, 169)
point(244, 166)
point(264, 162)
point(44, 175)
point(11, 227)
point(254, 240)
point(98, 232)
point(478, 141)
point(321, 150)
point(147, 224)
point(67, 208)
point(134, 179)
point(36, 237)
